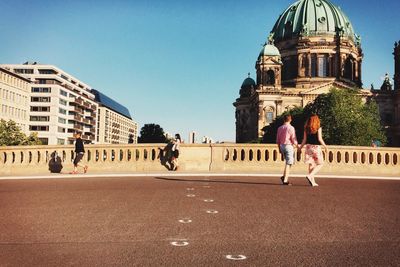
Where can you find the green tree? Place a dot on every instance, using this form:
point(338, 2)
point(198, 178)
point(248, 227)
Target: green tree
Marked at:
point(11, 135)
point(345, 119)
point(152, 133)
point(298, 118)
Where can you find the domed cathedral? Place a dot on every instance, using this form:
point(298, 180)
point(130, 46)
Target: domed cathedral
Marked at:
point(311, 48)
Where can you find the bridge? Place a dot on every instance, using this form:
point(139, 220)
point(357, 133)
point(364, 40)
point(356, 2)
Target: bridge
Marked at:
point(210, 158)
point(226, 207)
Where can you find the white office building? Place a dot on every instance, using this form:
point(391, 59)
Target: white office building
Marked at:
point(114, 122)
point(60, 104)
point(14, 99)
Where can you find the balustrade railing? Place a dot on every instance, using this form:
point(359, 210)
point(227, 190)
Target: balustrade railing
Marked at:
point(238, 158)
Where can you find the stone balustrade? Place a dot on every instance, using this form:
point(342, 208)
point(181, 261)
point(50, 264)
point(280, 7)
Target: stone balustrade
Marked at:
point(216, 158)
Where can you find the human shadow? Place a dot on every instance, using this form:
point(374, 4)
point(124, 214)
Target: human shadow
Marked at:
point(55, 163)
point(165, 155)
point(216, 181)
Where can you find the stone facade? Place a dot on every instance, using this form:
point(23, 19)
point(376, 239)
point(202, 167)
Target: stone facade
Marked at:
point(306, 54)
point(299, 62)
point(14, 99)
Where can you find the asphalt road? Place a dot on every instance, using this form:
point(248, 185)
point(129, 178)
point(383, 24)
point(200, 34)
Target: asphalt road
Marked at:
point(199, 221)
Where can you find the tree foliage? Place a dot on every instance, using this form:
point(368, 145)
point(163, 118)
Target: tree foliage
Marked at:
point(345, 119)
point(152, 133)
point(11, 135)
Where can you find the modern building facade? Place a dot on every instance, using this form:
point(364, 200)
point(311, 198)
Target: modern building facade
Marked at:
point(59, 105)
point(114, 122)
point(311, 48)
point(14, 99)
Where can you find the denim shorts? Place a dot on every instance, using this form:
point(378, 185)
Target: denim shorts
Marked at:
point(288, 153)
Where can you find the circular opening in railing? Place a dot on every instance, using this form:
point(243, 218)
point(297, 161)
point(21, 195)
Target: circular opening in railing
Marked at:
point(226, 154)
point(121, 155)
point(129, 156)
point(22, 157)
point(338, 157)
point(379, 158)
point(234, 155)
point(275, 155)
point(89, 155)
point(38, 156)
point(5, 157)
point(258, 155)
point(394, 159)
point(112, 154)
point(97, 155)
point(30, 157)
point(153, 154)
point(251, 155)
point(137, 154)
point(371, 158)
point(362, 157)
point(387, 159)
point(346, 157)
point(104, 155)
point(355, 157)
point(266, 155)
point(330, 156)
point(145, 154)
point(242, 155)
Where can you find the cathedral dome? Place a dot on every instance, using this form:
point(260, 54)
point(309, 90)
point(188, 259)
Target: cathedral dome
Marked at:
point(269, 50)
point(312, 18)
point(247, 85)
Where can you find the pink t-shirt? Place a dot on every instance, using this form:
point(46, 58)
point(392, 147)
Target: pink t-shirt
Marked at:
point(286, 135)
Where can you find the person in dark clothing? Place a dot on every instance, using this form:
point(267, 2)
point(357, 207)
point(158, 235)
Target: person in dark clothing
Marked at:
point(79, 153)
point(312, 140)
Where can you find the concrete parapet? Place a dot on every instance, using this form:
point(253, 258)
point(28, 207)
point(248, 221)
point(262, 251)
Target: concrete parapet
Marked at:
point(215, 158)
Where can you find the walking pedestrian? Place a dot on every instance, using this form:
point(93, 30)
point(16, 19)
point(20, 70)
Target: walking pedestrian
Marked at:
point(79, 153)
point(312, 140)
point(286, 141)
point(175, 152)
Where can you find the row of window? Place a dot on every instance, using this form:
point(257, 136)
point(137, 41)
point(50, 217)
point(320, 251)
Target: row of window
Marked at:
point(13, 112)
point(13, 81)
point(11, 96)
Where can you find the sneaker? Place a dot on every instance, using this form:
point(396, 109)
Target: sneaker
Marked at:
point(283, 181)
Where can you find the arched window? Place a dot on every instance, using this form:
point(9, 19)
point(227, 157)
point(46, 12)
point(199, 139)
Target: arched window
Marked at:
point(322, 66)
point(270, 77)
point(269, 115)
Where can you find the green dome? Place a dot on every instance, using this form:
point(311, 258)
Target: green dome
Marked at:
point(269, 50)
point(312, 18)
point(247, 85)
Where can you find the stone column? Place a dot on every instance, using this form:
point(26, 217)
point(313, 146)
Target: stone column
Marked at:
point(309, 64)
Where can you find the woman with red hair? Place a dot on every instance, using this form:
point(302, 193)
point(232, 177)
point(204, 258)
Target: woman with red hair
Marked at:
point(313, 139)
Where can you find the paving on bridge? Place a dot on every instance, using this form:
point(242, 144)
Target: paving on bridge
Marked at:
point(199, 221)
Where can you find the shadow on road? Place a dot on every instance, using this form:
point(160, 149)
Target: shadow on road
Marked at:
point(220, 181)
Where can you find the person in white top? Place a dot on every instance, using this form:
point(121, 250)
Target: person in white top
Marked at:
point(175, 152)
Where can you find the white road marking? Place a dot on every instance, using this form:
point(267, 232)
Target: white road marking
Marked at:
point(212, 211)
point(208, 200)
point(236, 257)
point(190, 195)
point(179, 243)
point(185, 221)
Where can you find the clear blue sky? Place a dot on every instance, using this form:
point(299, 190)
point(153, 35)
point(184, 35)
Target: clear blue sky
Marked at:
point(177, 63)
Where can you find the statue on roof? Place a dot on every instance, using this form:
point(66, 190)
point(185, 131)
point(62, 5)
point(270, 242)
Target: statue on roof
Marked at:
point(387, 85)
point(271, 38)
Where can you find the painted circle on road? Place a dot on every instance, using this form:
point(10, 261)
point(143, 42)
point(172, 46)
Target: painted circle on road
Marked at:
point(212, 211)
point(236, 257)
point(190, 195)
point(185, 221)
point(179, 243)
point(208, 200)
